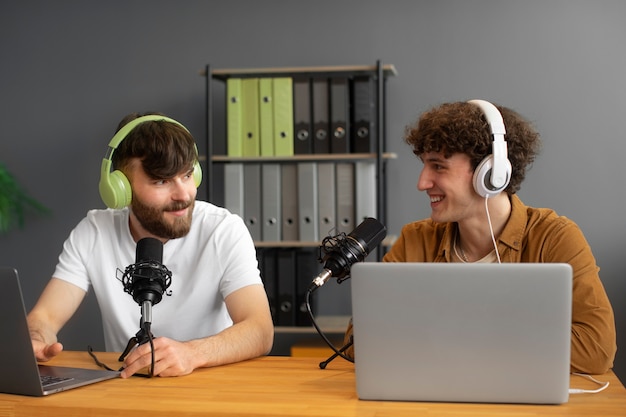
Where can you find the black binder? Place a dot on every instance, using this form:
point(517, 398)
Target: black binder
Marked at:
point(339, 115)
point(267, 266)
point(286, 268)
point(320, 119)
point(307, 269)
point(302, 116)
point(364, 115)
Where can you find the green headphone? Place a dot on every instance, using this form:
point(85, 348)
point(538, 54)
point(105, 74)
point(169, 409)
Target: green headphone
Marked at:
point(115, 189)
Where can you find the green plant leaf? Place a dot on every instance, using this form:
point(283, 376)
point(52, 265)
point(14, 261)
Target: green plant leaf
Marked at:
point(14, 202)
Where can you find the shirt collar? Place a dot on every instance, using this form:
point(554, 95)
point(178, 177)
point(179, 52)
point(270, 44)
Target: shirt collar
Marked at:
point(511, 235)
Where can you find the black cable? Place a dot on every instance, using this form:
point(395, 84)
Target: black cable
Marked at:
point(338, 352)
point(146, 330)
point(101, 364)
point(146, 326)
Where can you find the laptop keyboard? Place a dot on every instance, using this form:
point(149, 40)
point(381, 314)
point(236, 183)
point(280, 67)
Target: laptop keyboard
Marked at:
point(47, 380)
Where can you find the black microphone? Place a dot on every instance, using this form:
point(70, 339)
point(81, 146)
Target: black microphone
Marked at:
point(147, 279)
point(344, 251)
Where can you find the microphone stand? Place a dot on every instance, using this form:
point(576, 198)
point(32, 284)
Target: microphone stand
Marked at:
point(338, 352)
point(144, 335)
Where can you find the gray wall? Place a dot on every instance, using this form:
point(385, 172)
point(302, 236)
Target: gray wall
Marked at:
point(71, 69)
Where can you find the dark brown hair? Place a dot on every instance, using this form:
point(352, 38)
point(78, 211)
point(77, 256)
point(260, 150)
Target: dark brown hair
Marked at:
point(164, 148)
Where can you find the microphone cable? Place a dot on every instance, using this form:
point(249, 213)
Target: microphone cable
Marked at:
point(338, 352)
point(146, 326)
point(103, 365)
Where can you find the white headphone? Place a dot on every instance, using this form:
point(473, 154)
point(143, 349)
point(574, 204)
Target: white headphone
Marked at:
point(493, 173)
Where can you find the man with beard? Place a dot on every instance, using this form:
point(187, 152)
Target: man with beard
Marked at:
point(215, 311)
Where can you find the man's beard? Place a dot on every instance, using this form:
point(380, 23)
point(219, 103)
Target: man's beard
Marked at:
point(152, 218)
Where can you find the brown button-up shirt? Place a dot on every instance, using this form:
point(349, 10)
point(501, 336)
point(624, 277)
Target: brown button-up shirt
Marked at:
point(533, 235)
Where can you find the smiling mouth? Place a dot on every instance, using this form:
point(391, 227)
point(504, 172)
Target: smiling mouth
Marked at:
point(178, 207)
point(436, 199)
point(178, 210)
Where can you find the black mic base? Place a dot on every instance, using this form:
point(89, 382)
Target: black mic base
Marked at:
point(142, 336)
point(325, 363)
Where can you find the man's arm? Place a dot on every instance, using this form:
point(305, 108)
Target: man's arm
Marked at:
point(250, 336)
point(593, 325)
point(58, 302)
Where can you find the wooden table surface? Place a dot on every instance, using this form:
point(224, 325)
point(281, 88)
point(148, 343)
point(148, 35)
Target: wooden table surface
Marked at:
point(274, 386)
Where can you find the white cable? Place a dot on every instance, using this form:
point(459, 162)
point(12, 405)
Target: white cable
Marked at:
point(493, 238)
point(589, 391)
point(604, 385)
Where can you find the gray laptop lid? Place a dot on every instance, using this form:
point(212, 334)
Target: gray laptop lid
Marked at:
point(20, 373)
point(494, 333)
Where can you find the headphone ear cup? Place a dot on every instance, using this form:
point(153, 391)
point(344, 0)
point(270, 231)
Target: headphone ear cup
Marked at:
point(482, 178)
point(115, 190)
point(197, 174)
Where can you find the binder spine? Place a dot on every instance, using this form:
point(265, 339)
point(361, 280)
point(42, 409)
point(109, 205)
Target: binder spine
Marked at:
point(283, 116)
point(364, 115)
point(320, 104)
point(302, 116)
point(339, 115)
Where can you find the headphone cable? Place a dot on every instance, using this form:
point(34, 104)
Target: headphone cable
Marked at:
point(493, 237)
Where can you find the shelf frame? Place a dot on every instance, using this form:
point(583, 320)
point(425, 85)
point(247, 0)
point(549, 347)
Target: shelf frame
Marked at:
point(379, 73)
point(327, 71)
point(303, 158)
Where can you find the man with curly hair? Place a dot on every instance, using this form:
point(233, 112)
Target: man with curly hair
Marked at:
point(476, 215)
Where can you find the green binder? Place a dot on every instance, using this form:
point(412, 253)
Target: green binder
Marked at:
point(266, 116)
point(283, 116)
point(250, 99)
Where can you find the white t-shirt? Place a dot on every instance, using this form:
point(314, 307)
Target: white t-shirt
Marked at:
point(216, 258)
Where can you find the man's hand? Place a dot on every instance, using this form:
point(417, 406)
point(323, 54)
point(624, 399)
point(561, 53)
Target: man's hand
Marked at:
point(250, 336)
point(55, 306)
point(171, 358)
point(45, 352)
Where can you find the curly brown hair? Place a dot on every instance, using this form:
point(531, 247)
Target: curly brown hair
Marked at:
point(462, 127)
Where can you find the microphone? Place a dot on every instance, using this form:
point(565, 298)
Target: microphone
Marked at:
point(147, 279)
point(343, 251)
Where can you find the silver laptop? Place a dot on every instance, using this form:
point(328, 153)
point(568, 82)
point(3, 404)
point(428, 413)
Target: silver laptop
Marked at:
point(489, 333)
point(20, 373)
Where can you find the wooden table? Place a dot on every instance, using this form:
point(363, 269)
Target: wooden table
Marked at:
point(274, 386)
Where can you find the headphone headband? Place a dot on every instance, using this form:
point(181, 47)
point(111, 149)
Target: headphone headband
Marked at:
point(496, 124)
point(494, 173)
point(499, 147)
point(128, 127)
